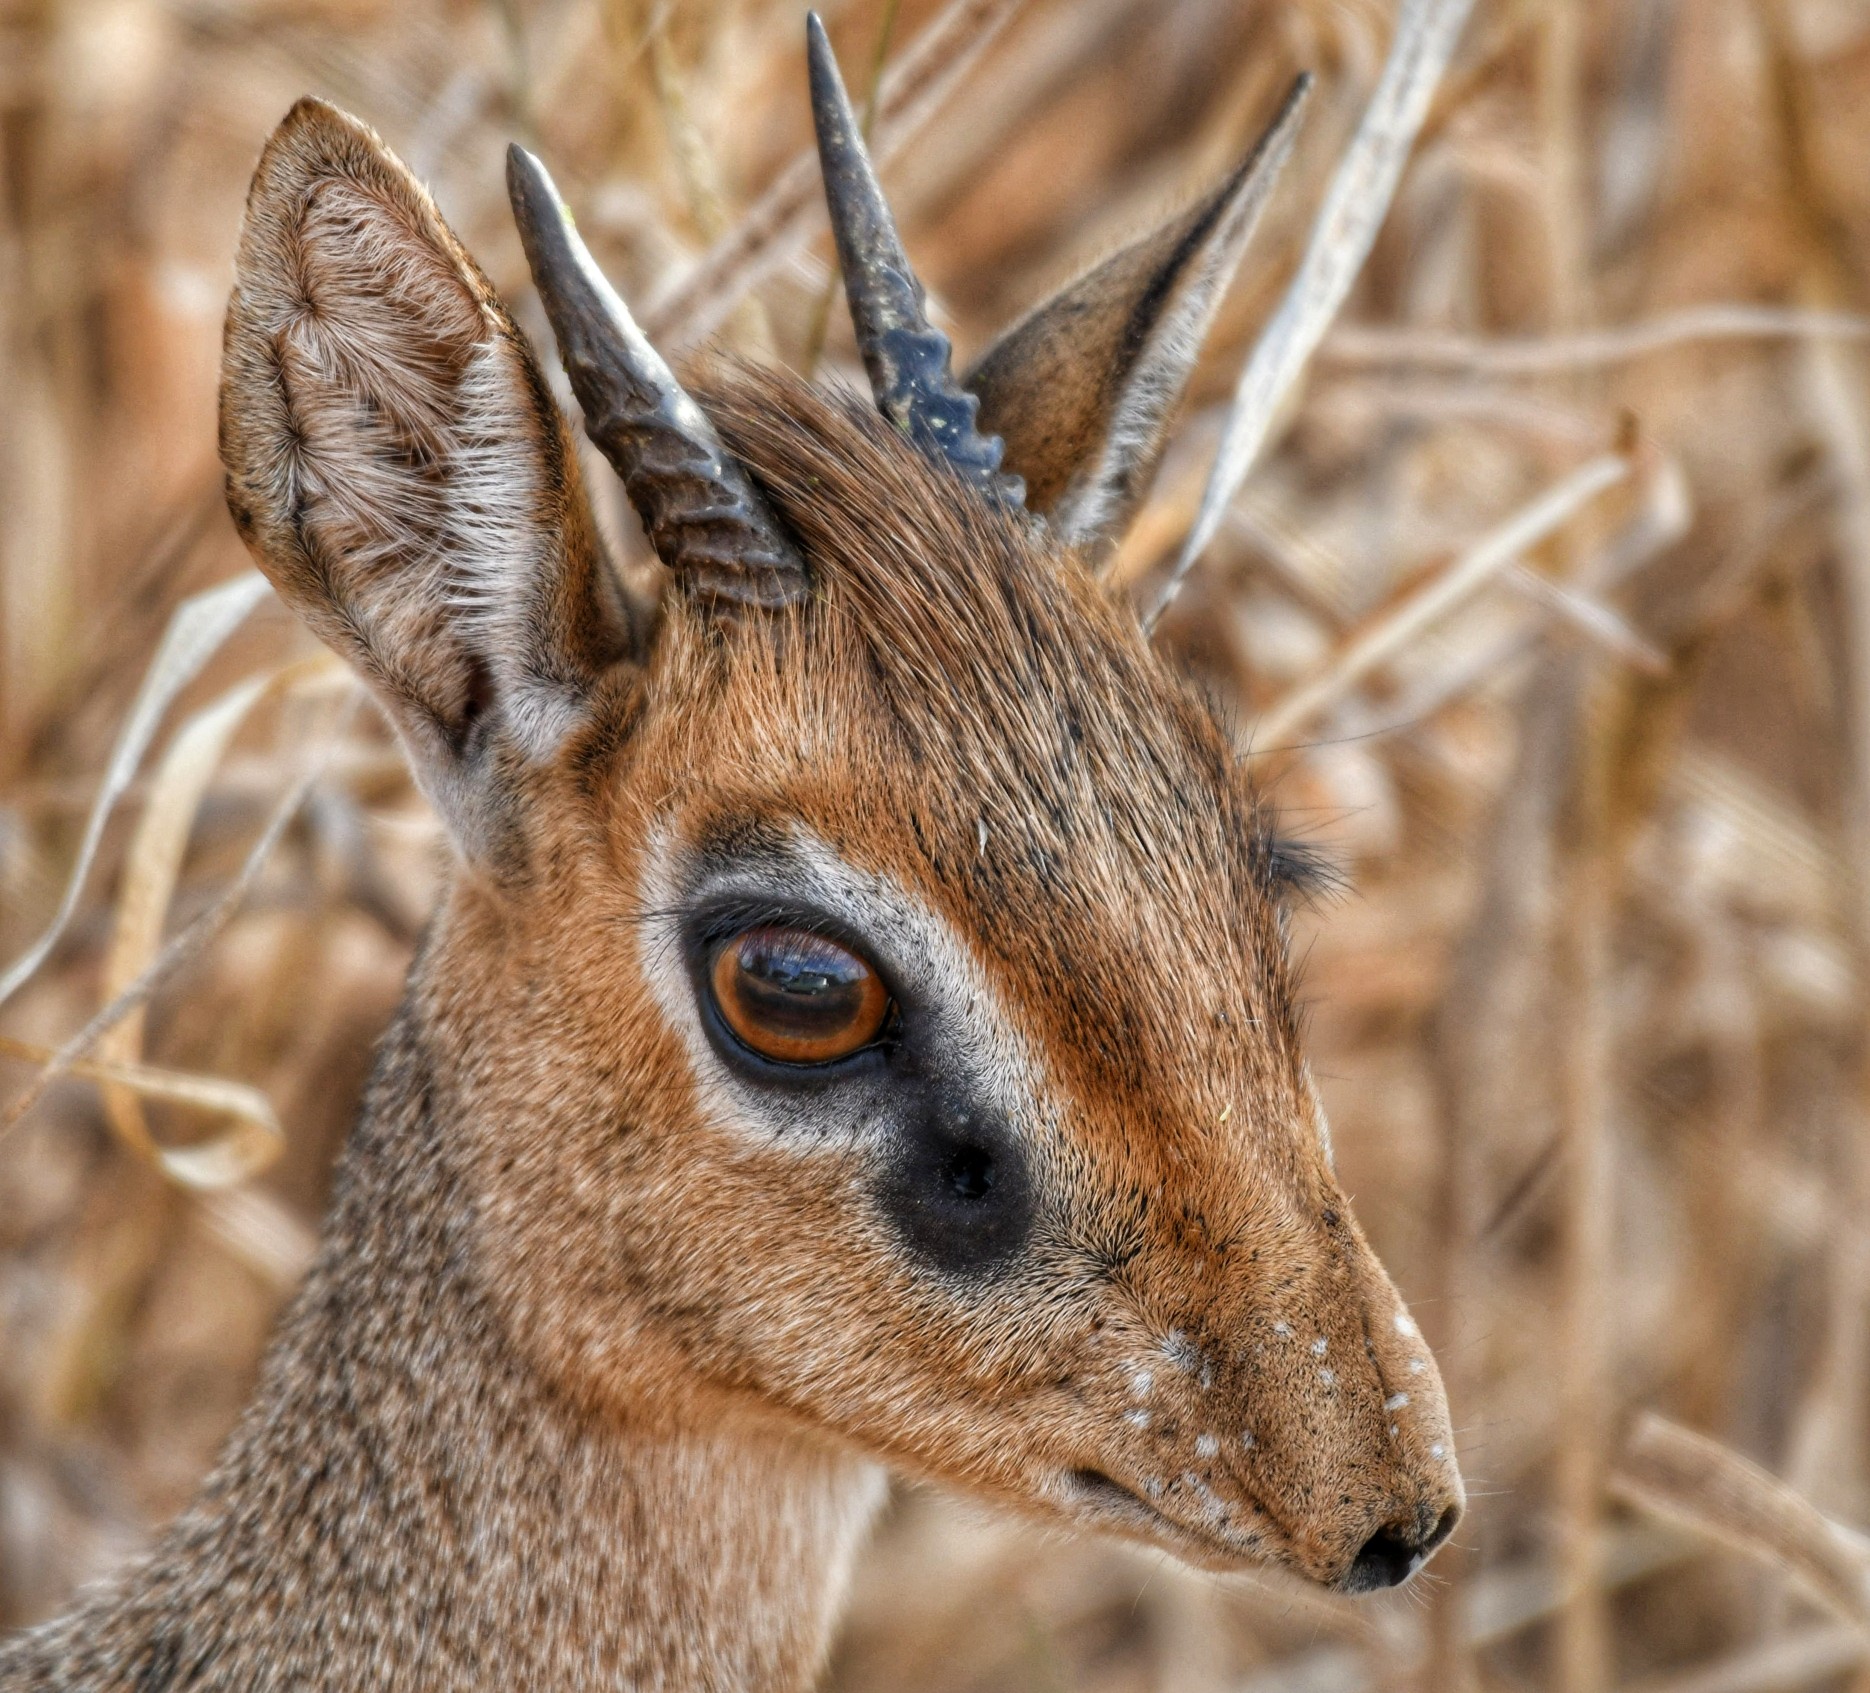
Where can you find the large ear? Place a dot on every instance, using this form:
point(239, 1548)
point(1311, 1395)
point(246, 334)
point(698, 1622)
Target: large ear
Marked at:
point(1082, 389)
point(399, 470)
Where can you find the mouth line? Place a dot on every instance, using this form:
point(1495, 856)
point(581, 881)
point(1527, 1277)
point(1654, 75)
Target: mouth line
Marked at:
point(1110, 1498)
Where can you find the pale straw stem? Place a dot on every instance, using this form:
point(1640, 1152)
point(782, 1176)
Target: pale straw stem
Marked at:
point(1489, 557)
point(1354, 209)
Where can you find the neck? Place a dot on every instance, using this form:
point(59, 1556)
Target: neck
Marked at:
point(408, 1503)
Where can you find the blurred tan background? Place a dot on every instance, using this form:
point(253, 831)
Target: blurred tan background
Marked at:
point(1590, 1006)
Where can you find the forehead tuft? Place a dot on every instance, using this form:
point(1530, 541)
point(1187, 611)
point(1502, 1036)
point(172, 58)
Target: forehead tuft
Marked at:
point(997, 660)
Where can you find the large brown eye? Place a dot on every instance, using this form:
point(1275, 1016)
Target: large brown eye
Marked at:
point(796, 997)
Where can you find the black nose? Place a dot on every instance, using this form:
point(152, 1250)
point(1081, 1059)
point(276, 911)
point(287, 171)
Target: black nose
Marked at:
point(1394, 1553)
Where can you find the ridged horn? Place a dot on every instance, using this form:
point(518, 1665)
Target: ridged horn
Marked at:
point(704, 517)
point(908, 359)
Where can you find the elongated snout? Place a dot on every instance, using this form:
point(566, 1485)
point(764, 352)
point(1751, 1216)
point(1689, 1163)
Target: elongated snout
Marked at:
point(1298, 1418)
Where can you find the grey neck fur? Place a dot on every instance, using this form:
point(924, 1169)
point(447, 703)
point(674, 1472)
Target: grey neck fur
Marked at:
point(407, 1503)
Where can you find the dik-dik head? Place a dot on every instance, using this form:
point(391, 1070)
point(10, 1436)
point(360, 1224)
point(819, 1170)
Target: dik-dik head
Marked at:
point(863, 999)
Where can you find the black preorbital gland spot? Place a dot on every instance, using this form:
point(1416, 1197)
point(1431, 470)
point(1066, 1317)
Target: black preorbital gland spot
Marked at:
point(956, 1189)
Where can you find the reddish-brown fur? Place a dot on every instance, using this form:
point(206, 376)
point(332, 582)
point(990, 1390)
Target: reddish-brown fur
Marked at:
point(588, 1385)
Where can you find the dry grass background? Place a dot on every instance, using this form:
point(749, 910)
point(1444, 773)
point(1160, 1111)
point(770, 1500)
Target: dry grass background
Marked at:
point(1590, 1013)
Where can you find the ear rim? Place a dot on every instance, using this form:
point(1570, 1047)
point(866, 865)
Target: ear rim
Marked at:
point(1177, 276)
point(532, 647)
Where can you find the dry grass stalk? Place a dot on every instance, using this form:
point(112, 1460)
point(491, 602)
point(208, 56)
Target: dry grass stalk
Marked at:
point(1835, 1418)
point(255, 1140)
point(151, 867)
point(181, 949)
point(1495, 1608)
point(199, 628)
point(1354, 209)
point(1356, 345)
point(1691, 1479)
point(1811, 1657)
point(1464, 576)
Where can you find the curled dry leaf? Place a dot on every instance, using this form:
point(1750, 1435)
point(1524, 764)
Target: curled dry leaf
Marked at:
point(252, 1140)
point(151, 867)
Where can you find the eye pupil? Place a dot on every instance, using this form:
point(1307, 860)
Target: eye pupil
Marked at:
point(780, 965)
point(797, 997)
point(971, 1173)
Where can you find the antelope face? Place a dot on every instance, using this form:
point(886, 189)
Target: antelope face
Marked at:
point(963, 931)
point(864, 993)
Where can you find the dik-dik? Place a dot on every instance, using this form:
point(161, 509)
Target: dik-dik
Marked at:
point(857, 1033)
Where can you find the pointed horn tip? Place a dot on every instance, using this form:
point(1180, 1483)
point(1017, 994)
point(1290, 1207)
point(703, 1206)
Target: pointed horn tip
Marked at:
point(829, 95)
point(907, 358)
point(1298, 97)
point(818, 46)
point(528, 182)
point(521, 166)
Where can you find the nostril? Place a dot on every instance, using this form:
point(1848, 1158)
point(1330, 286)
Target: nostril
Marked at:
point(1386, 1559)
point(1444, 1526)
point(1393, 1554)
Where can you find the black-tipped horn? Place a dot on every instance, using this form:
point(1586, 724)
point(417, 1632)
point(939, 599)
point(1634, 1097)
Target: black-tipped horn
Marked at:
point(705, 518)
point(907, 358)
